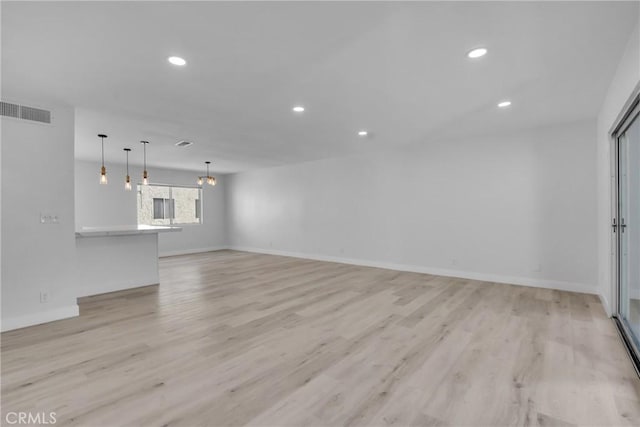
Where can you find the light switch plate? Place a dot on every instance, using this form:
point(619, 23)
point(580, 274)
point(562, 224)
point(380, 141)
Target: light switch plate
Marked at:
point(49, 218)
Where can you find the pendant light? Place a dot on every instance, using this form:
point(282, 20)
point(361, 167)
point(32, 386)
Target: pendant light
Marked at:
point(103, 170)
point(145, 175)
point(127, 181)
point(210, 180)
point(201, 178)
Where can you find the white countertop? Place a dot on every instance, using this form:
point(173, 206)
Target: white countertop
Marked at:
point(124, 230)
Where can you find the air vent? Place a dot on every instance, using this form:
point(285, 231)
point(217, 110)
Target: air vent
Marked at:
point(183, 143)
point(35, 114)
point(8, 109)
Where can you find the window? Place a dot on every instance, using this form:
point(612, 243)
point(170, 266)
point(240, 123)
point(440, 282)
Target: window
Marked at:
point(164, 208)
point(169, 205)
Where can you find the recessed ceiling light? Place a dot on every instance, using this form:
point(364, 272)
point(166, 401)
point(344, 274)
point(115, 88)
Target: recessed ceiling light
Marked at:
point(504, 104)
point(176, 60)
point(298, 109)
point(363, 133)
point(477, 53)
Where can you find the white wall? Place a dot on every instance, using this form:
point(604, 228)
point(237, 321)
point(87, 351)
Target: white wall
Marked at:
point(518, 208)
point(37, 177)
point(625, 81)
point(105, 205)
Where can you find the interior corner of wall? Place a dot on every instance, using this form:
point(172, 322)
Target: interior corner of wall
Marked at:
point(605, 303)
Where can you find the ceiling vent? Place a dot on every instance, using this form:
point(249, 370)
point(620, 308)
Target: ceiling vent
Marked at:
point(183, 143)
point(23, 112)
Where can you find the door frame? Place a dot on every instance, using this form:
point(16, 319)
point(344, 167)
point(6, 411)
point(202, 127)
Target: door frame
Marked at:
point(630, 113)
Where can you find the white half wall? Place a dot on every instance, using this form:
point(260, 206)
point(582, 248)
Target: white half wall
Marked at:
point(37, 179)
point(518, 209)
point(625, 81)
point(110, 205)
point(135, 256)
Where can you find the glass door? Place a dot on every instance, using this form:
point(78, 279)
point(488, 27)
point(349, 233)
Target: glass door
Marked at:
point(626, 225)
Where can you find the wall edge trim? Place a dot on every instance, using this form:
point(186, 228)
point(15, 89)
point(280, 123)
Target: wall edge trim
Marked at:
point(496, 278)
point(38, 318)
point(164, 254)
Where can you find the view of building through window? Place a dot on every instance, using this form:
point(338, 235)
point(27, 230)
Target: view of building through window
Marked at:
point(169, 205)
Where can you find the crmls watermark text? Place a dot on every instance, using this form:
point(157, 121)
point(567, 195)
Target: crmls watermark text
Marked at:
point(30, 418)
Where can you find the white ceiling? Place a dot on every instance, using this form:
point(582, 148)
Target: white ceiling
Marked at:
point(397, 69)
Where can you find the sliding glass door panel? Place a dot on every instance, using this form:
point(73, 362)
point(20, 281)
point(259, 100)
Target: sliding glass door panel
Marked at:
point(628, 229)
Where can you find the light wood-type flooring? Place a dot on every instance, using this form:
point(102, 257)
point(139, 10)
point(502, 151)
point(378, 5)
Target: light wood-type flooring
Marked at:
point(232, 338)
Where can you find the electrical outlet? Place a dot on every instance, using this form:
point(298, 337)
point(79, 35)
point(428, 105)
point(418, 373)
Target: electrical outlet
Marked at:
point(454, 261)
point(44, 297)
point(537, 268)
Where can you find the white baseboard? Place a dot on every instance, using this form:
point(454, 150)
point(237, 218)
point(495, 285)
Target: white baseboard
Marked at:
point(192, 251)
point(522, 281)
point(112, 287)
point(39, 317)
point(605, 304)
